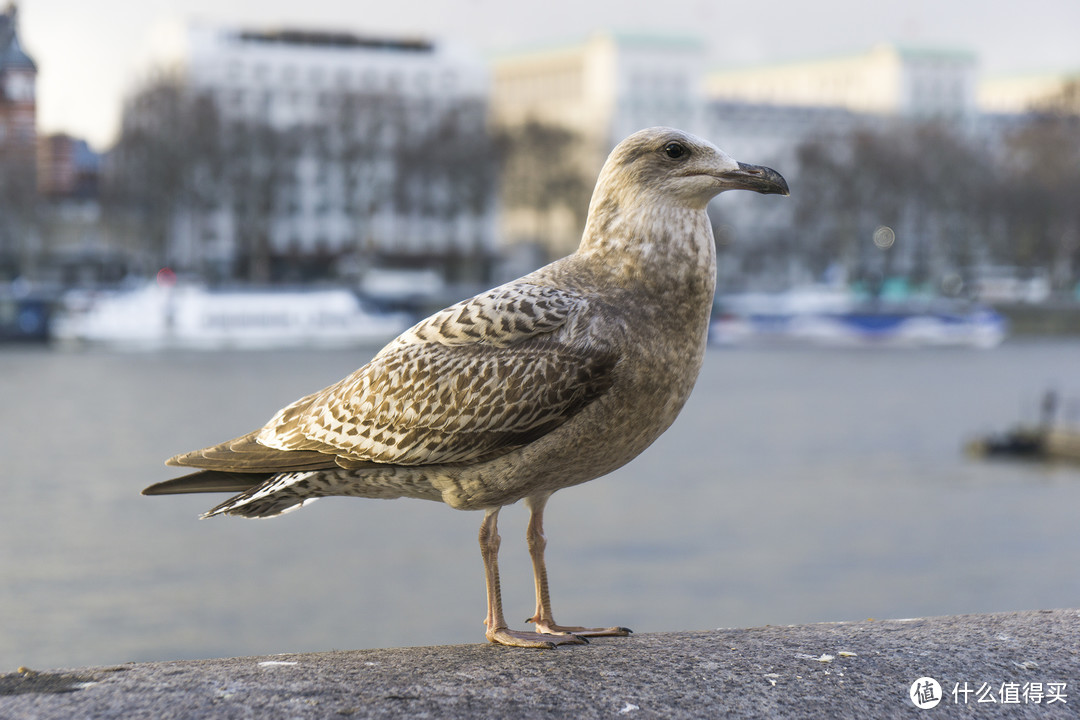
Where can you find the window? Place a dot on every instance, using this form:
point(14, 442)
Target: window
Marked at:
point(20, 87)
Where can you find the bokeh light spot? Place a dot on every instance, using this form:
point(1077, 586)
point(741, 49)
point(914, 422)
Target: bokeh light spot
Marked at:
point(166, 277)
point(884, 237)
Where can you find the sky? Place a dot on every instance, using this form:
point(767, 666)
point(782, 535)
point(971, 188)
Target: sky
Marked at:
point(90, 55)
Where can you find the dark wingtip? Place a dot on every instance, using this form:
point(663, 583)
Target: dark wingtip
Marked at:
point(161, 488)
point(207, 481)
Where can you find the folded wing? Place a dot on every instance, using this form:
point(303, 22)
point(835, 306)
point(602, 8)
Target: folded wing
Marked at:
point(472, 382)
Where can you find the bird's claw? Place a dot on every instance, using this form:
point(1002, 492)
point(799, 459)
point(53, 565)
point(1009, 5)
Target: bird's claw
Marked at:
point(551, 628)
point(516, 638)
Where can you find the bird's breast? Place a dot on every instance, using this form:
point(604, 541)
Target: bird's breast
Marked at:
point(660, 348)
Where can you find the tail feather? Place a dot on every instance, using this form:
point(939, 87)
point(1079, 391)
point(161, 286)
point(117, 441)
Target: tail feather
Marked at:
point(208, 481)
point(278, 495)
point(260, 494)
point(266, 482)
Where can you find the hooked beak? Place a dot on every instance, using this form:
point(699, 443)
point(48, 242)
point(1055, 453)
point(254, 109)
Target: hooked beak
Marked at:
point(758, 178)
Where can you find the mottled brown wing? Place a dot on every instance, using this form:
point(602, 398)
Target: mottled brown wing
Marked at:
point(469, 383)
point(246, 455)
point(502, 316)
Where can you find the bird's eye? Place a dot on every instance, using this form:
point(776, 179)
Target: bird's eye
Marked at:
point(675, 150)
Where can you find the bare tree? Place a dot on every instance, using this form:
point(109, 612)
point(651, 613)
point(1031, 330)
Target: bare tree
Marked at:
point(446, 164)
point(542, 171)
point(259, 162)
point(1040, 187)
point(1064, 103)
point(363, 127)
point(284, 192)
point(928, 185)
point(20, 209)
point(168, 159)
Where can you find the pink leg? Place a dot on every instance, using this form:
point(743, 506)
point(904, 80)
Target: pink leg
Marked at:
point(545, 621)
point(497, 631)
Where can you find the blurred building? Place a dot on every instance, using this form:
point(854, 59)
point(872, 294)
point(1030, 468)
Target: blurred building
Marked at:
point(604, 87)
point(81, 245)
point(18, 117)
point(938, 83)
point(609, 85)
point(564, 106)
point(18, 79)
point(67, 167)
point(599, 90)
point(768, 134)
point(366, 140)
point(1022, 93)
point(765, 113)
point(51, 223)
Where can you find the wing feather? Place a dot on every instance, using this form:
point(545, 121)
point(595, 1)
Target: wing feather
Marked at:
point(245, 454)
point(471, 382)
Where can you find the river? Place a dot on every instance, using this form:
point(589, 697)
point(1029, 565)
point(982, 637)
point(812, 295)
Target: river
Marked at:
point(797, 486)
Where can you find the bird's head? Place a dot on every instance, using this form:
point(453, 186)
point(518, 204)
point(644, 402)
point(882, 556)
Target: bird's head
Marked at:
point(673, 167)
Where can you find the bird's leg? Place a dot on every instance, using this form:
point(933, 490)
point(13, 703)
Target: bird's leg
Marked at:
point(497, 631)
point(545, 621)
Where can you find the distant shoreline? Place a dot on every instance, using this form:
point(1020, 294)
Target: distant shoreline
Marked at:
point(1045, 319)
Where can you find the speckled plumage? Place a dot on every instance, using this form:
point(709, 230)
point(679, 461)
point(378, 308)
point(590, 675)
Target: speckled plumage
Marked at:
point(545, 382)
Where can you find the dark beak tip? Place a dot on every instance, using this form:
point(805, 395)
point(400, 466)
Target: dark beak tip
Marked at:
point(764, 180)
point(773, 187)
point(777, 184)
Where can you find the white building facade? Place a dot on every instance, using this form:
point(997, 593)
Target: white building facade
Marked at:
point(343, 110)
point(894, 80)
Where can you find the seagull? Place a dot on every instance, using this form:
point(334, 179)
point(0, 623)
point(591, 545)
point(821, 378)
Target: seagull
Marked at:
point(548, 381)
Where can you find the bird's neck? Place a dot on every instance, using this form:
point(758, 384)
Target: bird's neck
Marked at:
point(652, 245)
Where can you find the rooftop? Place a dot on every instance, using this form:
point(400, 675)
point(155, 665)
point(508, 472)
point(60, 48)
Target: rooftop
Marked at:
point(324, 39)
point(907, 52)
point(636, 40)
point(11, 52)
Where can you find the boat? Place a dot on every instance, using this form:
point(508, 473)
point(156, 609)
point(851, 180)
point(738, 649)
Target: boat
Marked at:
point(1036, 443)
point(1050, 439)
point(25, 313)
point(192, 316)
point(826, 317)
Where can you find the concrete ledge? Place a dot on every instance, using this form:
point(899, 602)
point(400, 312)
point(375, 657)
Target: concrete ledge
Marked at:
point(829, 670)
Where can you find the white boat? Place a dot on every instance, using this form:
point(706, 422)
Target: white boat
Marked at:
point(157, 316)
point(835, 318)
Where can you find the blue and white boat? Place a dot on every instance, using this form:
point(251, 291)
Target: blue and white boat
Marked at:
point(827, 317)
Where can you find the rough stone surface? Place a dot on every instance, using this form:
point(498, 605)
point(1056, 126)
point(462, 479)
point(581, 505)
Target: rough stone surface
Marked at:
point(829, 670)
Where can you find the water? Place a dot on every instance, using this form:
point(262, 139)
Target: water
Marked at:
point(796, 486)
